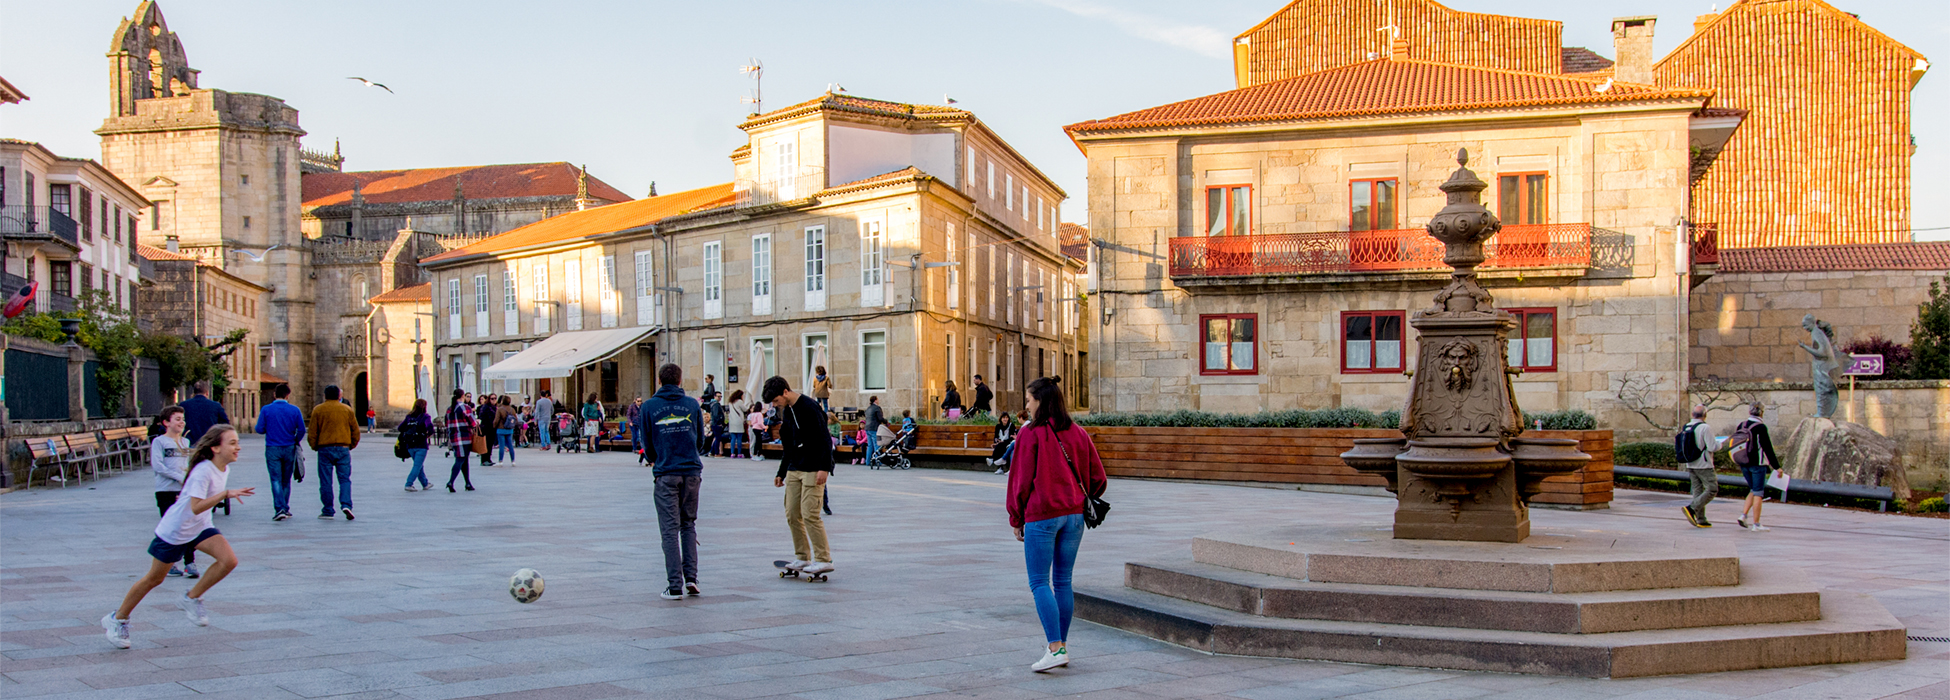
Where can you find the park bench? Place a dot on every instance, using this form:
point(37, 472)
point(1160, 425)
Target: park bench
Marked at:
point(618, 441)
point(56, 453)
point(126, 448)
point(1883, 495)
point(85, 452)
point(959, 441)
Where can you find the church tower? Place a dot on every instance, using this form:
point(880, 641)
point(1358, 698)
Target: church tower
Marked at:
point(222, 169)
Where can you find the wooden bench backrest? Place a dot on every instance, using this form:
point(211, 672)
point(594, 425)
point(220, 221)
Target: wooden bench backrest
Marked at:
point(81, 442)
point(45, 447)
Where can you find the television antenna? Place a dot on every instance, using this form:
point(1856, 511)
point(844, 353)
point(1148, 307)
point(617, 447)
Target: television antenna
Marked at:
point(755, 69)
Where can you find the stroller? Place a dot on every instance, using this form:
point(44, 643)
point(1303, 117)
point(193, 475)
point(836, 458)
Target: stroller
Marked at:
point(568, 433)
point(894, 454)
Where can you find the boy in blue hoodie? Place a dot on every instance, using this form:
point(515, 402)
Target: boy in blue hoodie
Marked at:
point(671, 429)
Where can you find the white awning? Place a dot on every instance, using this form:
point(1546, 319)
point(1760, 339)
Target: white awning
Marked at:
point(563, 353)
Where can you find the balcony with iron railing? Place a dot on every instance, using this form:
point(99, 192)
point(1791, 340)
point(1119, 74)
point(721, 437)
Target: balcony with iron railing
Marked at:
point(752, 193)
point(45, 301)
point(1527, 246)
point(1706, 244)
point(22, 222)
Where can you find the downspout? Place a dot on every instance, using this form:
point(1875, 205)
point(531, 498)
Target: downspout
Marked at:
point(670, 309)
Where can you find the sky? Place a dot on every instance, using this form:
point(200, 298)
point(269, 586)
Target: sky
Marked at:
point(651, 91)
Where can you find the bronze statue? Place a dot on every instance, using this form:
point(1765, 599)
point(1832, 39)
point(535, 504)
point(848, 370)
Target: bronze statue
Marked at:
point(1823, 363)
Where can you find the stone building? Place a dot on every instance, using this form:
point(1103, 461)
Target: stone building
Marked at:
point(69, 224)
point(190, 298)
point(1262, 248)
point(910, 242)
point(475, 200)
point(402, 341)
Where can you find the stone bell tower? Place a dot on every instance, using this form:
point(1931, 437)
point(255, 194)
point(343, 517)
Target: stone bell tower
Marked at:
point(222, 169)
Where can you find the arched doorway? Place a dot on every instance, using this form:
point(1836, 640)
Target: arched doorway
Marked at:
point(361, 397)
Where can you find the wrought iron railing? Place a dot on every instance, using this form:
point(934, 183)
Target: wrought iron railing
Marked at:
point(1706, 244)
point(1516, 246)
point(21, 220)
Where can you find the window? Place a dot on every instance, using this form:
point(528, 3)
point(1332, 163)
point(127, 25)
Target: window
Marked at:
point(572, 291)
point(453, 308)
point(991, 179)
point(714, 361)
point(649, 304)
point(1231, 344)
point(714, 279)
point(990, 268)
point(1521, 198)
point(1371, 342)
point(59, 197)
point(1372, 205)
point(247, 223)
point(244, 180)
point(87, 215)
point(815, 268)
point(970, 184)
point(953, 252)
point(480, 306)
point(809, 345)
point(1228, 210)
point(1009, 192)
point(608, 372)
point(606, 274)
point(1533, 345)
point(88, 279)
point(873, 268)
point(512, 386)
point(951, 357)
point(1040, 211)
point(1010, 295)
point(873, 360)
point(117, 218)
point(510, 306)
point(540, 273)
point(762, 274)
point(785, 168)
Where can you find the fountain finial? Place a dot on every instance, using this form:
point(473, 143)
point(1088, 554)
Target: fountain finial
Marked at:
point(1462, 157)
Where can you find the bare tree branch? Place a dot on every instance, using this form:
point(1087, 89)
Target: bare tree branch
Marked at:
point(1639, 394)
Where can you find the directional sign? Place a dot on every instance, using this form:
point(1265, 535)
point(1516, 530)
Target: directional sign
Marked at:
point(1864, 366)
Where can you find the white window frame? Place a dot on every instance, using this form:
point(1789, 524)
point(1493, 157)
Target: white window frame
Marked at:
point(885, 380)
point(1009, 192)
point(649, 304)
point(1042, 297)
point(511, 386)
point(815, 268)
point(873, 263)
point(1040, 211)
point(1025, 202)
point(969, 186)
point(991, 179)
point(993, 274)
point(540, 274)
point(715, 361)
point(572, 293)
point(606, 289)
point(510, 304)
point(995, 364)
point(1009, 289)
point(785, 167)
point(713, 266)
point(480, 306)
point(453, 308)
point(806, 348)
point(953, 253)
point(762, 274)
point(951, 361)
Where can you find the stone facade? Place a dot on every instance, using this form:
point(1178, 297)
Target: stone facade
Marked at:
point(202, 302)
point(1910, 412)
point(402, 342)
point(1746, 326)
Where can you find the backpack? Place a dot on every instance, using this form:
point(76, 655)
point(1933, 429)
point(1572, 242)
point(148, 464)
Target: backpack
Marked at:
point(1686, 444)
point(1742, 443)
point(511, 423)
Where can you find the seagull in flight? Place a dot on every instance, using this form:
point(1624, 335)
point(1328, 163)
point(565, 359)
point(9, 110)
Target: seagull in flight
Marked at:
point(369, 83)
point(259, 257)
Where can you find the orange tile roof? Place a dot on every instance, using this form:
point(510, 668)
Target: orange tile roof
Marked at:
point(269, 378)
point(1384, 87)
point(153, 253)
point(1578, 59)
point(1075, 240)
point(837, 102)
point(437, 184)
point(1932, 255)
point(594, 222)
point(418, 292)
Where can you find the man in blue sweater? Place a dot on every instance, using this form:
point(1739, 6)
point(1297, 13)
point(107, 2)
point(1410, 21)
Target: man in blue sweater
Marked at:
point(283, 427)
point(199, 413)
point(671, 428)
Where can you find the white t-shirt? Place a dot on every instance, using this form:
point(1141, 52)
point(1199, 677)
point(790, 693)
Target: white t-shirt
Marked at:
point(181, 523)
point(169, 457)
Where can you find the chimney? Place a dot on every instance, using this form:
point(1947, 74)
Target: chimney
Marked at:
point(1701, 21)
point(172, 244)
point(1631, 40)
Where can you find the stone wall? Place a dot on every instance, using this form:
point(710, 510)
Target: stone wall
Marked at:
point(1914, 413)
point(1746, 325)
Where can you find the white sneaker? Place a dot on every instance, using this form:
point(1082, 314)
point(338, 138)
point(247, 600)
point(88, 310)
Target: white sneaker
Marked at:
point(193, 609)
point(818, 567)
point(1003, 470)
point(1052, 659)
point(797, 565)
point(691, 589)
point(1757, 527)
point(117, 630)
point(412, 488)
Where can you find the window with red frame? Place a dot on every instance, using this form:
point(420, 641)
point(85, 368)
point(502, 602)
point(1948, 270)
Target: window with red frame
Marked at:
point(1522, 198)
point(1229, 210)
point(1533, 345)
point(1371, 205)
point(1231, 344)
point(1371, 342)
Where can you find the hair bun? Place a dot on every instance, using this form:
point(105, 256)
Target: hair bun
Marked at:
point(1056, 378)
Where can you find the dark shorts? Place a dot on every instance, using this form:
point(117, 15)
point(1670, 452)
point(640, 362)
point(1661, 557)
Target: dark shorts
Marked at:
point(171, 553)
point(1756, 479)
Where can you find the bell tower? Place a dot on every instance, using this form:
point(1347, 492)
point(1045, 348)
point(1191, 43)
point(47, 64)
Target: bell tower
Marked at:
point(146, 60)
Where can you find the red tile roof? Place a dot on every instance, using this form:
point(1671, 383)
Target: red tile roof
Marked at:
point(595, 222)
point(1075, 240)
point(1578, 59)
point(859, 105)
point(1933, 255)
point(154, 253)
point(1385, 87)
point(437, 184)
point(418, 292)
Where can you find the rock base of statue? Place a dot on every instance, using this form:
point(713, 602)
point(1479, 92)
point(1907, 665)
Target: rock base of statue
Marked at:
point(1567, 602)
point(1824, 449)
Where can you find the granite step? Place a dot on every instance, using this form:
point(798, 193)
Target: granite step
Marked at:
point(1853, 628)
point(1764, 594)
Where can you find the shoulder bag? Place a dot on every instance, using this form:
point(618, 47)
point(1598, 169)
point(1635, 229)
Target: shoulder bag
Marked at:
point(1094, 508)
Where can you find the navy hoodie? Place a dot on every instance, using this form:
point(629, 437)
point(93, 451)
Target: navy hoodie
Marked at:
point(672, 432)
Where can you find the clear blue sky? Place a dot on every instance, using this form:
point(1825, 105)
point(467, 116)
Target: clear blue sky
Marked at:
point(644, 91)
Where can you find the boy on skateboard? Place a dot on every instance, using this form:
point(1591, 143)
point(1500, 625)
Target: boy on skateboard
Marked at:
point(804, 466)
point(670, 427)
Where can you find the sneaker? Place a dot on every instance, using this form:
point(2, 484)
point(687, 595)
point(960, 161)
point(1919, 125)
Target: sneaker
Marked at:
point(193, 609)
point(672, 593)
point(175, 572)
point(1757, 527)
point(818, 567)
point(326, 516)
point(282, 515)
point(117, 630)
point(1003, 470)
point(1743, 523)
point(189, 571)
point(411, 489)
point(1052, 659)
point(1702, 523)
point(1690, 517)
point(691, 589)
point(347, 512)
point(797, 565)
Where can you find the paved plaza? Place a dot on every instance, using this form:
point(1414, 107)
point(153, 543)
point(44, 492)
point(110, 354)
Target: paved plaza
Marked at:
point(929, 598)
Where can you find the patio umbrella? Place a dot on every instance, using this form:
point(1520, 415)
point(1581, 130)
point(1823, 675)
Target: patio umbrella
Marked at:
point(426, 386)
point(467, 382)
point(757, 369)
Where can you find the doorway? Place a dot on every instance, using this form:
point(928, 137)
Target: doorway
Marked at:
point(361, 399)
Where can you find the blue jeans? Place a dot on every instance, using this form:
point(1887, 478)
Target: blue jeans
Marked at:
point(505, 444)
point(334, 464)
point(873, 445)
point(1049, 548)
point(737, 444)
point(542, 426)
point(280, 460)
point(419, 472)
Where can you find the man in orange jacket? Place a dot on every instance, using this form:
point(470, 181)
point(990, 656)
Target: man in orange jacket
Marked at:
point(334, 432)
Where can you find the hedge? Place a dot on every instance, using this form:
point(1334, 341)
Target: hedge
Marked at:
point(1645, 454)
point(1571, 419)
point(1320, 418)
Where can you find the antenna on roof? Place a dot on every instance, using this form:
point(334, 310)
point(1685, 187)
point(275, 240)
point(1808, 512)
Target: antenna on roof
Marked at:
point(755, 69)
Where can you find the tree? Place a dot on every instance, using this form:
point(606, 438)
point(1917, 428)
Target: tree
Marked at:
point(105, 330)
point(181, 363)
point(1929, 335)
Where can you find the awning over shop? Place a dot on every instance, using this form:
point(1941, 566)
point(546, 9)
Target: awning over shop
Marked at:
point(561, 354)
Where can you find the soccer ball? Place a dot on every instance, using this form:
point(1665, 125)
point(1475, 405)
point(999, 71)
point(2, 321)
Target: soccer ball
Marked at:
point(526, 586)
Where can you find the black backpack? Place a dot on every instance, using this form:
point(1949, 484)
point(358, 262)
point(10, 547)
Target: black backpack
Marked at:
point(1686, 444)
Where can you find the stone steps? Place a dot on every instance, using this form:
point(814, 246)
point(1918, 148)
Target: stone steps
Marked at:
point(1765, 594)
point(1852, 628)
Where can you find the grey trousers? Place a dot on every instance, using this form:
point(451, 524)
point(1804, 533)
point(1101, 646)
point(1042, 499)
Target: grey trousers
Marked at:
point(676, 498)
point(1705, 485)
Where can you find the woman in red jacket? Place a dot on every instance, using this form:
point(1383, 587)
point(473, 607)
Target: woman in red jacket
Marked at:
point(1055, 462)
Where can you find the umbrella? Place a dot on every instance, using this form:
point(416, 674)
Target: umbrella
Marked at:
point(467, 383)
point(757, 369)
point(426, 386)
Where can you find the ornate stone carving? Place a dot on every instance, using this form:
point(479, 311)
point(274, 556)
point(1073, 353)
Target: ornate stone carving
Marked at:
point(1458, 365)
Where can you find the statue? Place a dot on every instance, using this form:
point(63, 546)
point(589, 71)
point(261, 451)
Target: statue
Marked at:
point(1823, 364)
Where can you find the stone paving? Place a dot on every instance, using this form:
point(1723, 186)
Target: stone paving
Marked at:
point(929, 599)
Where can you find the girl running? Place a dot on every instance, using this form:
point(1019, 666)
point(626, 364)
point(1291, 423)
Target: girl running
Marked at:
point(186, 527)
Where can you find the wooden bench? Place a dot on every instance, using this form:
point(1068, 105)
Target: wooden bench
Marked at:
point(125, 448)
point(56, 453)
point(86, 453)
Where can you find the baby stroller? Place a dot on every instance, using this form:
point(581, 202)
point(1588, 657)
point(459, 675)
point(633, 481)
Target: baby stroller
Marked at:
point(893, 455)
point(568, 433)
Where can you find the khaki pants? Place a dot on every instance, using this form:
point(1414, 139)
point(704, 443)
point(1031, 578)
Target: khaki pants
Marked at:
point(803, 498)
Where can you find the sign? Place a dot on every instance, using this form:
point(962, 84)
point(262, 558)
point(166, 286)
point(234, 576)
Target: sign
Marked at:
point(1864, 366)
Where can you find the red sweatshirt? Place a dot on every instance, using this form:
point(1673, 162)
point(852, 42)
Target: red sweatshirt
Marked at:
point(1041, 485)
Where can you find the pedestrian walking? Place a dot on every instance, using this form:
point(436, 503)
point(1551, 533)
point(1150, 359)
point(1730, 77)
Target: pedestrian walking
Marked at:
point(199, 413)
point(822, 387)
point(1060, 469)
point(462, 430)
point(983, 396)
point(169, 458)
point(506, 422)
point(414, 430)
point(1694, 447)
point(282, 426)
point(710, 392)
point(805, 464)
point(334, 432)
point(545, 417)
point(187, 527)
point(1753, 450)
point(592, 421)
point(671, 427)
point(872, 422)
point(951, 407)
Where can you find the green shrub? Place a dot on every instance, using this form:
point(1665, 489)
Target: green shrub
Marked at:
point(1571, 419)
point(1931, 505)
point(1645, 454)
point(1320, 418)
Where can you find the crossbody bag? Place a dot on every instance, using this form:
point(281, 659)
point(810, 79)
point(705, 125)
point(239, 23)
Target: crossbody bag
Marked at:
point(1094, 508)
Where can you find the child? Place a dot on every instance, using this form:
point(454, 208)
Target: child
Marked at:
point(169, 456)
point(756, 421)
point(186, 527)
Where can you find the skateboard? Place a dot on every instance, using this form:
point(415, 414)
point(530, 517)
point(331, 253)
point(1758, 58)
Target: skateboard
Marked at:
point(786, 571)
